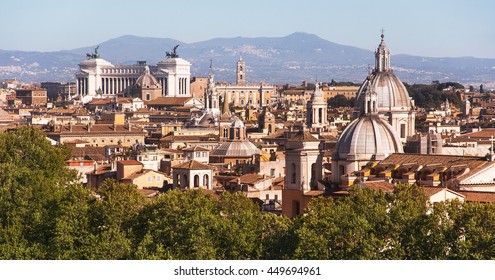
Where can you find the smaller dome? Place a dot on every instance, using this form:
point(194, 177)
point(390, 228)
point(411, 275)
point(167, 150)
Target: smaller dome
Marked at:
point(368, 137)
point(147, 80)
point(236, 149)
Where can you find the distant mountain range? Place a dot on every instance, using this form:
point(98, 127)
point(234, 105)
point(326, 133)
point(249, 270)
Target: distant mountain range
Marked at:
point(290, 59)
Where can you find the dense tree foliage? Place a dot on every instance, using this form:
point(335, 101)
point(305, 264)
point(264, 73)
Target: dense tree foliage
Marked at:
point(341, 84)
point(432, 96)
point(340, 101)
point(44, 214)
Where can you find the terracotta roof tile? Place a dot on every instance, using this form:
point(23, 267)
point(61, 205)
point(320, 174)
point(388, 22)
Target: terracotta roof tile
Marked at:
point(195, 149)
point(192, 165)
point(478, 196)
point(169, 101)
point(379, 186)
point(473, 163)
point(251, 178)
point(129, 162)
point(96, 129)
point(303, 136)
point(429, 191)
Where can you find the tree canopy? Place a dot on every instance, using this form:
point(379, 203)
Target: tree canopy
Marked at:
point(432, 96)
point(45, 214)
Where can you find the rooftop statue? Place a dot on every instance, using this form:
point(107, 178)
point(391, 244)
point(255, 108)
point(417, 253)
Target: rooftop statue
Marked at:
point(173, 53)
point(93, 55)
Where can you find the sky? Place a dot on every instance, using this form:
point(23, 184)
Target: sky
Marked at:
point(436, 28)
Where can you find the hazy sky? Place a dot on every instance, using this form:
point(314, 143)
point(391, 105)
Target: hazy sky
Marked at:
point(419, 27)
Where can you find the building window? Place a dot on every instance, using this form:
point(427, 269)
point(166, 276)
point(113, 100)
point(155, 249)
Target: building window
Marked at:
point(196, 181)
point(293, 173)
point(267, 197)
point(186, 182)
point(150, 179)
point(206, 181)
point(272, 172)
point(402, 130)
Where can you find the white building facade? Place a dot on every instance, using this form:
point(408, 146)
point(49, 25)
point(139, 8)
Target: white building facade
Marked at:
point(98, 78)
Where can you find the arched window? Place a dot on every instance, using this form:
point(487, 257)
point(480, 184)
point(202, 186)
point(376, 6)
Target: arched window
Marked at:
point(177, 179)
point(186, 182)
point(402, 130)
point(196, 181)
point(206, 180)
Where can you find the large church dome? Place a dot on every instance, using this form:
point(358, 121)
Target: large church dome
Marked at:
point(391, 93)
point(392, 99)
point(367, 138)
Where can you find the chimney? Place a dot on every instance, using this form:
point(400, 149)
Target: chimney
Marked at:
point(114, 127)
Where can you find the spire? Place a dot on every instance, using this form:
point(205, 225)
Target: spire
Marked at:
point(382, 56)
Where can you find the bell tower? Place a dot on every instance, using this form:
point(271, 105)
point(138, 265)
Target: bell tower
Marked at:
point(241, 72)
point(212, 103)
point(316, 110)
